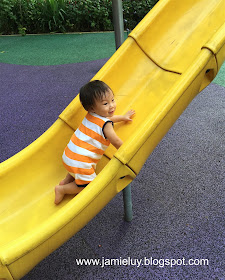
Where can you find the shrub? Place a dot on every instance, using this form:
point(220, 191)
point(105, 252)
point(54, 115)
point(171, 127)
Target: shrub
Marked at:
point(44, 16)
point(7, 17)
point(89, 15)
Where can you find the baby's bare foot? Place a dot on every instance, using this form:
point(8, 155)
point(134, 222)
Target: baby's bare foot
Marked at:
point(58, 194)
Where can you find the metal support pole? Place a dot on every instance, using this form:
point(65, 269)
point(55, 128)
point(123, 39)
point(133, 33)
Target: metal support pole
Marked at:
point(117, 9)
point(127, 201)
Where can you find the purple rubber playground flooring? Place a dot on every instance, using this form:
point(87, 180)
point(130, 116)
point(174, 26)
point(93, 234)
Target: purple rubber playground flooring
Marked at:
point(178, 197)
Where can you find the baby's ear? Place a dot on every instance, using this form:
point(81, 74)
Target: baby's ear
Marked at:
point(91, 109)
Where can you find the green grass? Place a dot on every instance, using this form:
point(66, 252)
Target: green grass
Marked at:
point(56, 49)
point(220, 78)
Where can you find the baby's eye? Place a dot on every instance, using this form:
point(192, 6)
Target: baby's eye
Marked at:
point(105, 103)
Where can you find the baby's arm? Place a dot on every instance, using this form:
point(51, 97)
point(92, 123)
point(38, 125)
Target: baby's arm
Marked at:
point(125, 118)
point(111, 135)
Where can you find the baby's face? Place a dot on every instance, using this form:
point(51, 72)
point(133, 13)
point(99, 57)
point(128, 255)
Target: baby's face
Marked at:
point(106, 106)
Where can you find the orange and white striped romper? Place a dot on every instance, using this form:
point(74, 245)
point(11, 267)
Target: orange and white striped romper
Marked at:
point(85, 149)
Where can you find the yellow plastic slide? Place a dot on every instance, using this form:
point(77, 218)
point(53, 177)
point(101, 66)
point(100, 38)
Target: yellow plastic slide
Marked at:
point(168, 58)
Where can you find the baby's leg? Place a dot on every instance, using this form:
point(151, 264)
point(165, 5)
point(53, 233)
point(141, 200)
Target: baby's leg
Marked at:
point(68, 179)
point(61, 190)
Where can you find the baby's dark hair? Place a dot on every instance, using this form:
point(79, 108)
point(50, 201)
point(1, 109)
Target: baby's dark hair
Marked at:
point(94, 90)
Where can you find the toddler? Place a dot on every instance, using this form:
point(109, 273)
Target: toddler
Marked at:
point(90, 140)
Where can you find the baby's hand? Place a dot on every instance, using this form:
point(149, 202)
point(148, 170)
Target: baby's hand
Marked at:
point(129, 115)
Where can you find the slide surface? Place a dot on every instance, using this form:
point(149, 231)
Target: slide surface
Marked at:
point(174, 53)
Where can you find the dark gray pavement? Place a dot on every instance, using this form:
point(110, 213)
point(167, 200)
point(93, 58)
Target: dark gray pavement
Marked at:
point(32, 97)
point(178, 197)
